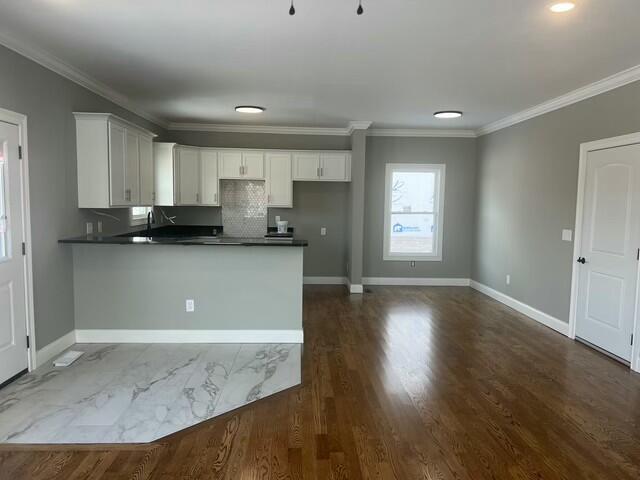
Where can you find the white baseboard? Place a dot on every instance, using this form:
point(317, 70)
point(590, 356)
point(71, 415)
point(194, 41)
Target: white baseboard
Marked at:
point(426, 282)
point(189, 336)
point(537, 315)
point(55, 348)
point(325, 280)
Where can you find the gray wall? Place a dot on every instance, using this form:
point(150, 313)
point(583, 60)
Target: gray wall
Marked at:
point(315, 204)
point(145, 287)
point(458, 154)
point(48, 100)
point(527, 186)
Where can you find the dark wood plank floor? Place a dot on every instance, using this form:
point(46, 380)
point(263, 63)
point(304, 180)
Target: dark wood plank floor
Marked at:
point(401, 383)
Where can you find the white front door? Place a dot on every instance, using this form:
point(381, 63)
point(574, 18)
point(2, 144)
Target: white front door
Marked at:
point(609, 255)
point(13, 312)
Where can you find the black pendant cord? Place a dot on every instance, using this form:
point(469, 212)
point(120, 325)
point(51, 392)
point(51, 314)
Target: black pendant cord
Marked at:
point(292, 10)
point(360, 10)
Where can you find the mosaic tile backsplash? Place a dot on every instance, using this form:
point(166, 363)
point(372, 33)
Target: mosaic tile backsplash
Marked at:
point(244, 208)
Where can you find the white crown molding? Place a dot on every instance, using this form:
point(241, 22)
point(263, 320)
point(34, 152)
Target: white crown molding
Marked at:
point(358, 125)
point(65, 70)
point(271, 129)
point(617, 80)
point(420, 132)
point(340, 132)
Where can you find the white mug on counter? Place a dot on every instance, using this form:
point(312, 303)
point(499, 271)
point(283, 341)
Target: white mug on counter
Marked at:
point(283, 226)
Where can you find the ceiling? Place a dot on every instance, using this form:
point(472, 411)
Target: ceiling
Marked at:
point(194, 60)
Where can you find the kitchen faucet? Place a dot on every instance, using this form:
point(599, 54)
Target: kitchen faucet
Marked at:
point(150, 219)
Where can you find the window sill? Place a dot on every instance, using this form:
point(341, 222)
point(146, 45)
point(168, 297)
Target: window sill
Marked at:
point(400, 258)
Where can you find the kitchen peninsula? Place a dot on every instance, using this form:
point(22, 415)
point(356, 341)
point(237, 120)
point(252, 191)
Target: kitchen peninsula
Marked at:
point(185, 284)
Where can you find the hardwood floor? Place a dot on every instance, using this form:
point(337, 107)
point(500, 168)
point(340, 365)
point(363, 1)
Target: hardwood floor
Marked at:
point(401, 383)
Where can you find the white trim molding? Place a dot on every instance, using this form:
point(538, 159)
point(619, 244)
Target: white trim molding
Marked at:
point(189, 336)
point(50, 62)
point(325, 280)
point(55, 348)
point(327, 131)
point(612, 82)
point(533, 313)
point(417, 282)
point(421, 132)
point(585, 148)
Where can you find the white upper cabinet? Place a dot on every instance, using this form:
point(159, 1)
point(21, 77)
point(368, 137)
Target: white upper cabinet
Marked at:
point(147, 183)
point(279, 181)
point(322, 166)
point(306, 165)
point(253, 165)
point(335, 167)
point(185, 175)
point(115, 167)
point(188, 176)
point(230, 164)
point(209, 185)
point(241, 164)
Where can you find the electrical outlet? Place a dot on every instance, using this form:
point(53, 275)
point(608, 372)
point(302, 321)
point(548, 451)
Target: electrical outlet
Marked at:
point(89, 228)
point(323, 231)
point(99, 226)
point(190, 305)
point(277, 218)
point(508, 279)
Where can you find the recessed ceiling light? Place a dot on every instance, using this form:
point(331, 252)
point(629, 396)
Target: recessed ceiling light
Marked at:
point(448, 114)
point(562, 7)
point(249, 109)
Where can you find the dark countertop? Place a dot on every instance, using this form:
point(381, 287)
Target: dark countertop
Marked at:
point(182, 235)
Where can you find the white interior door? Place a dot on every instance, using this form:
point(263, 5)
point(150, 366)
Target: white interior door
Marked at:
point(13, 311)
point(608, 275)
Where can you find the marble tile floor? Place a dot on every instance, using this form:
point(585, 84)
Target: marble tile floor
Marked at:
point(133, 393)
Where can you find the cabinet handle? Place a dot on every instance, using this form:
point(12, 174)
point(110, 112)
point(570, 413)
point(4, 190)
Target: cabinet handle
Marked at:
point(318, 171)
point(215, 198)
point(241, 169)
point(127, 195)
point(322, 171)
point(197, 198)
point(269, 198)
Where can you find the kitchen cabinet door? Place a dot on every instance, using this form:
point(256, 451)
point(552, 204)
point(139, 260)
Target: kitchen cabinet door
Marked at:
point(188, 176)
point(132, 169)
point(306, 165)
point(279, 181)
point(333, 167)
point(209, 177)
point(147, 188)
point(117, 170)
point(230, 164)
point(253, 165)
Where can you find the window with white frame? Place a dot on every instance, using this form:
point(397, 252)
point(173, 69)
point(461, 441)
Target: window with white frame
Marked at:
point(138, 215)
point(413, 212)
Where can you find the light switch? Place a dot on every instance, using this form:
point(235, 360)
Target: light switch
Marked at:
point(323, 231)
point(190, 305)
point(567, 235)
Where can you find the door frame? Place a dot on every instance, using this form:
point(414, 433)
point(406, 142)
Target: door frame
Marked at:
point(20, 121)
point(585, 149)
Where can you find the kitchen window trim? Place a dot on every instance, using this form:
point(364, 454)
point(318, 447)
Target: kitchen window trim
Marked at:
point(440, 171)
point(135, 220)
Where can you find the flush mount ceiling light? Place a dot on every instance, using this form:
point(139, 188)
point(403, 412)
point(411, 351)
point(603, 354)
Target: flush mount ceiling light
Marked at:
point(359, 10)
point(448, 114)
point(562, 7)
point(249, 109)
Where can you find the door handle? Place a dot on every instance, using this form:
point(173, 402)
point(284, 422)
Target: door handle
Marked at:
point(582, 260)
